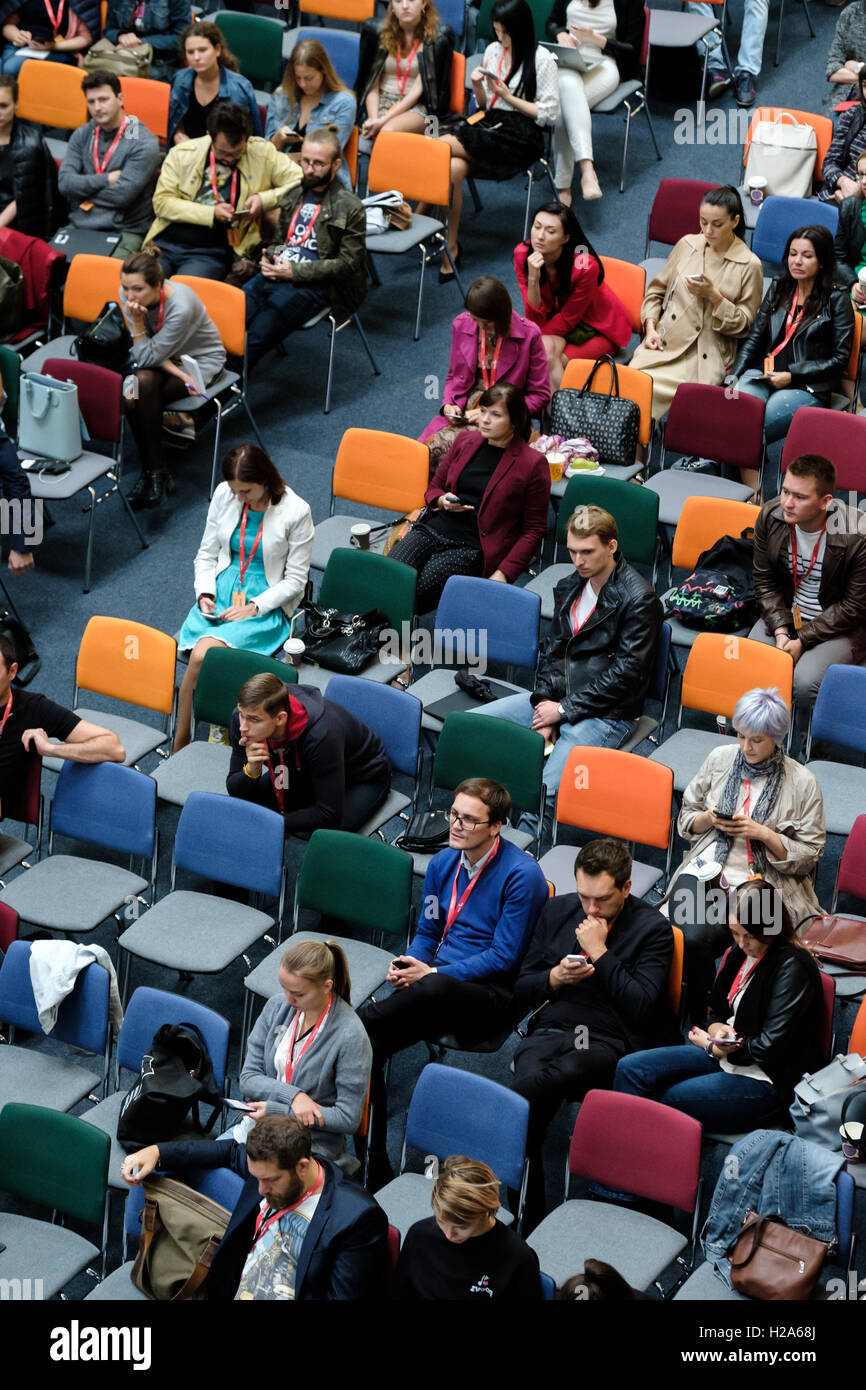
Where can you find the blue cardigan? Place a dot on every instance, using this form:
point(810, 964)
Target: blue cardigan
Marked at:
point(489, 938)
point(233, 87)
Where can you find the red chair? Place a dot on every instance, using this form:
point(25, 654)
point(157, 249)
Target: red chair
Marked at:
point(851, 875)
point(24, 806)
point(840, 437)
point(706, 422)
point(44, 270)
point(675, 209)
point(8, 927)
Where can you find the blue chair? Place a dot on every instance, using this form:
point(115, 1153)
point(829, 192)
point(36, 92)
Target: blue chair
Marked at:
point(341, 46)
point(147, 1011)
point(456, 1112)
point(548, 1286)
point(223, 839)
point(395, 716)
point(659, 689)
point(102, 804)
point(838, 718)
point(82, 1022)
point(453, 12)
point(779, 217)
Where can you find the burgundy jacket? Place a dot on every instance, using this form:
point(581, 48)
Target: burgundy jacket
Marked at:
point(512, 518)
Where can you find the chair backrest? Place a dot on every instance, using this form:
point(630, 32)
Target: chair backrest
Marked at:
point(852, 366)
point(639, 1146)
point(8, 926)
point(822, 126)
point(393, 1248)
point(711, 422)
point(703, 521)
point(350, 155)
point(644, 46)
point(838, 713)
point(472, 745)
point(455, 1112)
point(355, 11)
point(231, 841)
point(852, 866)
point(457, 94)
point(10, 376)
point(147, 99)
point(720, 669)
point(82, 1018)
point(127, 661)
point(828, 1004)
point(658, 685)
point(53, 1159)
point(616, 793)
point(256, 42)
point(226, 307)
point(106, 804)
point(836, 435)
point(24, 803)
point(394, 715)
point(99, 394)
point(91, 282)
point(453, 12)
point(357, 580)
point(500, 623)
point(418, 166)
point(223, 672)
point(628, 283)
point(636, 510)
point(634, 385)
point(358, 880)
point(675, 208)
point(857, 1040)
point(779, 217)
point(383, 470)
point(51, 94)
point(675, 974)
point(341, 46)
point(149, 1009)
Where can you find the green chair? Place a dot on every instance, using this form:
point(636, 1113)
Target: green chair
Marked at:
point(10, 375)
point(484, 23)
point(356, 581)
point(61, 1163)
point(203, 767)
point(636, 515)
point(362, 882)
point(256, 42)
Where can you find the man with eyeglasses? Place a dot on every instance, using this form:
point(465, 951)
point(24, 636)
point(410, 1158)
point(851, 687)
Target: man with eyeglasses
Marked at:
point(482, 896)
point(318, 257)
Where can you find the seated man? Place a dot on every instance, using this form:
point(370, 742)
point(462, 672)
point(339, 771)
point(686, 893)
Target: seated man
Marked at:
point(311, 263)
point(810, 574)
point(306, 757)
point(482, 896)
point(596, 663)
point(211, 194)
point(28, 723)
point(596, 975)
point(109, 168)
point(300, 1230)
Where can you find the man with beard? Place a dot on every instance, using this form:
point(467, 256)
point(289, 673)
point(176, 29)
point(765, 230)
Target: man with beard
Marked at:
point(300, 1229)
point(318, 257)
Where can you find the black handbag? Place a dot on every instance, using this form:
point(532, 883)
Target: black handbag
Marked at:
point(342, 642)
point(176, 1074)
point(108, 341)
point(610, 422)
point(427, 832)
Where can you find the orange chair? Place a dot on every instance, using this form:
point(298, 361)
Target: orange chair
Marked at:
point(703, 521)
point(857, 1041)
point(721, 667)
point(90, 283)
point(675, 975)
point(355, 11)
point(846, 399)
point(822, 126)
point(635, 386)
point(50, 94)
point(611, 793)
point(385, 471)
point(628, 283)
point(457, 98)
point(147, 99)
point(350, 155)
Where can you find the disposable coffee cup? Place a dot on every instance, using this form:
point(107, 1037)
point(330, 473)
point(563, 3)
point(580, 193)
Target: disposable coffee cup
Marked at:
point(757, 186)
point(294, 649)
point(361, 535)
point(852, 1140)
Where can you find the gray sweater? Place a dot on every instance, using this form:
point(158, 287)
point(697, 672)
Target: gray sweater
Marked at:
point(334, 1072)
point(849, 41)
point(125, 205)
point(187, 328)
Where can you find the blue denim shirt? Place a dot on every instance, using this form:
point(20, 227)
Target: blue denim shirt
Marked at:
point(163, 22)
point(233, 87)
point(335, 108)
point(777, 1174)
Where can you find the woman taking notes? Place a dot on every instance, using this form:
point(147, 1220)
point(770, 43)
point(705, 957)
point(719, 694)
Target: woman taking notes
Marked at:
point(404, 69)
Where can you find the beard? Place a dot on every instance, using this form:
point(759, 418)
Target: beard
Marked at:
point(315, 182)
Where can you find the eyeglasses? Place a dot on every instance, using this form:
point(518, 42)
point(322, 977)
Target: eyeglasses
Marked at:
point(469, 822)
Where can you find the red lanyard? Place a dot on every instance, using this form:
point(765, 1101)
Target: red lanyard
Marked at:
point(55, 19)
point(311, 1192)
point(213, 182)
point(6, 713)
point(488, 377)
point(290, 1064)
point(495, 97)
point(790, 326)
point(244, 563)
point(401, 81)
point(798, 579)
point(304, 236)
point(575, 625)
point(456, 907)
point(101, 168)
point(739, 980)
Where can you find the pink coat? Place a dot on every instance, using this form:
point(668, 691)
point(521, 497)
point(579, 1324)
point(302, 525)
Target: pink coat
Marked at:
point(522, 361)
point(588, 302)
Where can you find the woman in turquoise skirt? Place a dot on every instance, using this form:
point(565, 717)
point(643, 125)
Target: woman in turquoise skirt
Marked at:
point(250, 571)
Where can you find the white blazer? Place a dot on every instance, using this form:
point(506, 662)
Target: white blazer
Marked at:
point(286, 547)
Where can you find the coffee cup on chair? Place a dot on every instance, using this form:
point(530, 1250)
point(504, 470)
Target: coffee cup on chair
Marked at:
point(360, 535)
point(756, 186)
point(294, 649)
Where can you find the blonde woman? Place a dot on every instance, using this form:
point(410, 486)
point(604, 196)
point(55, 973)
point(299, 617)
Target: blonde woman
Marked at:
point(404, 69)
point(310, 97)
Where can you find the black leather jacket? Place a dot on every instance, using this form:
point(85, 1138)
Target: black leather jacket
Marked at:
point(434, 65)
point(817, 354)
point(850, 236)
point(34, 181)
point(779, 1015)
point(625, 47)
point(602, 671)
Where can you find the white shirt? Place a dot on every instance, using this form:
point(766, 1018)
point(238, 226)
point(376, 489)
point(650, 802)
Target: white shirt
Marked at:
point(546, 81)
point(602, 19)
point(586, 605)
point(753, 1070)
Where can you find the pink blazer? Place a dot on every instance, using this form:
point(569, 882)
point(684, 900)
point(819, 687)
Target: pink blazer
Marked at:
point(588, 302)
point(522, 361)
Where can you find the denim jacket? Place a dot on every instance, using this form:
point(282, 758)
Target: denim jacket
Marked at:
point(335, 108)
point(779, 1175)
point(233, 87)
point(162, 24)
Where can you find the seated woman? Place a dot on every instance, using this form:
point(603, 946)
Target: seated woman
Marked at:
point(462, 1253)
point(562, 283)
point(157, 22)
point(28, 174)
point(749, 810)
point(404, 69)
point(801, 338)
point(247, 584)
point(211, 75)
point(166, 321)
point(516, 87)
point(839, 170)
point(703, 299)
point(489, 476)
point(850, 239)
point(763, 1029)
point(847, 52)
point(308, 1054)
point(310, 97)
point(489, 343)
point(37, 24)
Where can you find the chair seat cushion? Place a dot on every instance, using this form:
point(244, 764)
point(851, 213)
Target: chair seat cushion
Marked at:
point(557, 865)
point(335, 531)
point(685, 751)
point(27, 1074)
point(12, 851)
point(394, 803)
point(670, 29)
point(37, 1250)
point(610, 104)
point(638, 1246)
point(195, 932)
point(67, 894)
point(137, 738)
point(675, 485)
point(118, 1287)
point(223, 382)
point(58, 347)
point(437, 685)
point(704, 1286)
point(545, 583)
point(844, 791)
point(392, 243)
point(82, 472)
point(368, 966)
point(622, 472)
point(200, 767)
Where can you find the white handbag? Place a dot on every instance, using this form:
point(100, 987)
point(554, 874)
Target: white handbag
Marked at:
point(49, 424)
point(783, 152)
point(816, 1109)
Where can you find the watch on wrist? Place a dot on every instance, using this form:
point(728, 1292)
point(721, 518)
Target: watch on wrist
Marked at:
point(560, 711)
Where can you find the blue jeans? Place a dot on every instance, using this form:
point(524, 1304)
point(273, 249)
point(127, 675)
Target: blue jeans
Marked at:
point(751, 40)
point(275, 308)
point(688, 1080)
point(186, 260)
point(12, 60)
point(781, 405)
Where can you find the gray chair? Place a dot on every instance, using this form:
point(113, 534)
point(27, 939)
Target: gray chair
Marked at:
point(705, 1286)
point(838, 718)
point(378, 469)
point(335, 328)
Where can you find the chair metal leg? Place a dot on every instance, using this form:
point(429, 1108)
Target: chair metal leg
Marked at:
point(331, 347)
point(528, 203)
point(625, 147)
point(805, 4)
point(652, 128)
point(374, 274)
point(456, 277)
point(473, 189)
point(89, 553)
point(145, 544)
point(216, 446)
point(423, 251)
point(779, 35)
point(360, 327)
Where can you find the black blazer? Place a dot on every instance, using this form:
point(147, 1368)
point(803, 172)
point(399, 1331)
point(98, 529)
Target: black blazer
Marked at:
point(625, 47)
point(850, 235)
point(818, 352)
point(434, 67)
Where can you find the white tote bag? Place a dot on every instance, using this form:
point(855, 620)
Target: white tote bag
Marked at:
point(783, 152)
point(49, 424)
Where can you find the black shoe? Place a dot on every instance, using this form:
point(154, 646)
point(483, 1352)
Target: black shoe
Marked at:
point(149, 491)
point(458, 263)
point(717, 81)
point(744, 87)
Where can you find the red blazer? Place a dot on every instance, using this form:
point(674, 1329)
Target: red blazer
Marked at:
point(512, 518)
point(588, 302)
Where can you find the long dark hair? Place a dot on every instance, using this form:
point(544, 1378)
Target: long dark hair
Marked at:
point(247, 463)
point(488, 299)
point(515, 16)
point(785, 286)
point(728, 198)
point(577, 243)
point(514, 401)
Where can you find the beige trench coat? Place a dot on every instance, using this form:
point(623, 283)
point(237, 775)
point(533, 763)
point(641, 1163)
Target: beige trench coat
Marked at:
point(700, 341)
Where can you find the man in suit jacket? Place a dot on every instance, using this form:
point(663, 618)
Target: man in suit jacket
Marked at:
point(300, 1230)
